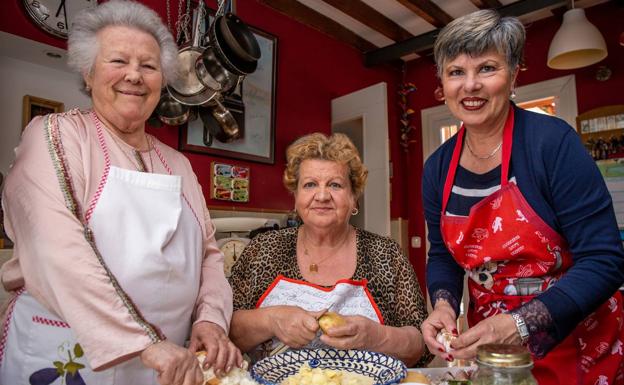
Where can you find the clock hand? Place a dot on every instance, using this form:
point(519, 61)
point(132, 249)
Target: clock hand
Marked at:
point(62, 5)
point(65, 15)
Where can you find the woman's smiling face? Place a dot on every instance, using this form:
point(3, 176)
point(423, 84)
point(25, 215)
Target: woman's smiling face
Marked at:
point(126, 77)
point(477, 88)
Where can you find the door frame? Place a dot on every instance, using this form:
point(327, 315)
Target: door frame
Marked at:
point(370, 104)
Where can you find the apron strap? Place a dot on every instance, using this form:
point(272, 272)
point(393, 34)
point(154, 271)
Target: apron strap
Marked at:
point(507, 144)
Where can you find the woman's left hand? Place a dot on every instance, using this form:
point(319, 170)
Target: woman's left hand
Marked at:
point(221, 353)
point(358, 333)
point(499, 329)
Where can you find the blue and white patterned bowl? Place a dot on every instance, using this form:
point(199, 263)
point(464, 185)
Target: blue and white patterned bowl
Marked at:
point(384, 370)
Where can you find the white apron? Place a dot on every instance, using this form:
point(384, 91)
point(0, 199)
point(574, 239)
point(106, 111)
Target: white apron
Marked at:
point(152, 243)
point(346, 297)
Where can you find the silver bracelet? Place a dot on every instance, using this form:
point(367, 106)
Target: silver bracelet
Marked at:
point(522, 328)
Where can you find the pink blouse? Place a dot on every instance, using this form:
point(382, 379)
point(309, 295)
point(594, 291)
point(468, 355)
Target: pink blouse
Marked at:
point(52, 258)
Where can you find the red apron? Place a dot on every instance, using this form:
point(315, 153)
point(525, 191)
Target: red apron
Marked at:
point(512, 255)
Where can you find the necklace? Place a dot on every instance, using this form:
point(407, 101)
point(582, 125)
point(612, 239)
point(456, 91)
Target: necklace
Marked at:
point(140, 164)
point(486, 156)
point(314, 266)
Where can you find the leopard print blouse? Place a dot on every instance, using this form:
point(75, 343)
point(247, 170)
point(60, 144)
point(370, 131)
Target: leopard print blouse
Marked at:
point(391, 279)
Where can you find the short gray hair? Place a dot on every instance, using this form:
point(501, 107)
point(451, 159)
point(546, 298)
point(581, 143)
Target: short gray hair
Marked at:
point(478, 32)
point(82, 45)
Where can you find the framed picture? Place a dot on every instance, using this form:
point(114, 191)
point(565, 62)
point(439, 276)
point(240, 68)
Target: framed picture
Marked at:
point(34, 106)
point(255, 115)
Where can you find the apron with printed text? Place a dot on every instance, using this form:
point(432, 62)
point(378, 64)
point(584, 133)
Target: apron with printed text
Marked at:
point(346, 297)
point(511, 255)
point(151, 241)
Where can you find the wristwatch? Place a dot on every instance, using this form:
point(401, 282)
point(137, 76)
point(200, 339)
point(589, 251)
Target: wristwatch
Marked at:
point(522, 328)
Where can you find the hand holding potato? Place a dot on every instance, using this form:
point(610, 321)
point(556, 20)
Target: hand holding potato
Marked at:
point(294, 326)
point(356, 332)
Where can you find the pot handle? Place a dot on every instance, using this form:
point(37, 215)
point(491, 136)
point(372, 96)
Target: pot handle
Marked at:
point(226, 120)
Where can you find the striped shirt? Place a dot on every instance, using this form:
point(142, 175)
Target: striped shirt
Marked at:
point(470, 188)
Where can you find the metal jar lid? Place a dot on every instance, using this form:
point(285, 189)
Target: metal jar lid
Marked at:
point(502, 355)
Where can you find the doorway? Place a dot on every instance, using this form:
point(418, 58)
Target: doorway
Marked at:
point(354, 130)
point(363, 116)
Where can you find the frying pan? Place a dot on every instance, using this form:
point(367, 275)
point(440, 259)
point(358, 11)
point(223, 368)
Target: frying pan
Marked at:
point(239, 38)
point(224, 52)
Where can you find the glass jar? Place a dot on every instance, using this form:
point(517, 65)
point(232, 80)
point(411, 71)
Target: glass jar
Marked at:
point(503, 365)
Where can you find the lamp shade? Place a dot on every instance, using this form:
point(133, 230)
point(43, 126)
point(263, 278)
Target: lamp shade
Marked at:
point(577, 43)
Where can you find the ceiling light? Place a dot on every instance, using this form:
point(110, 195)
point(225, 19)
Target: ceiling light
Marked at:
point(577, 43)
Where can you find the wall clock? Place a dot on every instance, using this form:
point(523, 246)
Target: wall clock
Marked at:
point(55, 16)
point(231, 248)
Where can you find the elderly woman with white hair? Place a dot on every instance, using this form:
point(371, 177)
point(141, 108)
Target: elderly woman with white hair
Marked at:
point(115, 264)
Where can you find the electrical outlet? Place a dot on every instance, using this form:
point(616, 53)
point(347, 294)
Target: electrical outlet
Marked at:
point(416, 242)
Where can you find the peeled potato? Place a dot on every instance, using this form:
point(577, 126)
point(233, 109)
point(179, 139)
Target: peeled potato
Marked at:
point(416, 377)
point(209, 376)
point(236, 375)
point(330, 320)
point(445, 338)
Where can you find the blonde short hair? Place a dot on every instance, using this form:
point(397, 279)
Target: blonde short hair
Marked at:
point(336, 148)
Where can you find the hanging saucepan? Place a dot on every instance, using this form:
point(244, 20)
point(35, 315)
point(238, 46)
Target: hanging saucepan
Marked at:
point(209, 68)
point(219, 122)
point(239, 38)
point(224, 52)
point(170, 111)
point(187, 88)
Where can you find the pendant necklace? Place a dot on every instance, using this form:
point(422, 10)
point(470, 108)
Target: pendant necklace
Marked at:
point(314, 266)
point(140, 163)
point(486, 156)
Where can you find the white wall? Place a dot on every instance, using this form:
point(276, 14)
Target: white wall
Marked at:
point(19, 78)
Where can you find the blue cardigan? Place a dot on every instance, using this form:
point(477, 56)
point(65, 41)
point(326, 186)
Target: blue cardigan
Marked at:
point(562, 184)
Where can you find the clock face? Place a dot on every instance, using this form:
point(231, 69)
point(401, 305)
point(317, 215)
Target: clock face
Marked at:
point(231, 248)
point(55, 16)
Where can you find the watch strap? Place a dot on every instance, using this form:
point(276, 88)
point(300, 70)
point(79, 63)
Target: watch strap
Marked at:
point(522, 328)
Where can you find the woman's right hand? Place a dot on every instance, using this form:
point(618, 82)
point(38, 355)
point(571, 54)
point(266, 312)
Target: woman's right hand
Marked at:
point(174, 364)
point(294, 326)
point(441, 318)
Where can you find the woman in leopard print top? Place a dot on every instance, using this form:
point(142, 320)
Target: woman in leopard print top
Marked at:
point(286, 279)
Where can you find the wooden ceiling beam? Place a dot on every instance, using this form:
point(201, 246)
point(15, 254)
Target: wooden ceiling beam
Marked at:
point(425, 41)
point(429, 11)
point(371, 18)
point(319, 22)
point(485, 4)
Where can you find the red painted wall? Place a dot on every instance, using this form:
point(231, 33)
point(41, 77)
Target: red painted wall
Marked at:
point(590, 93)
point(312, 69)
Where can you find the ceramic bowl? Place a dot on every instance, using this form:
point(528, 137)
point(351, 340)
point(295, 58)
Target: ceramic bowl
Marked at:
point(383, 369)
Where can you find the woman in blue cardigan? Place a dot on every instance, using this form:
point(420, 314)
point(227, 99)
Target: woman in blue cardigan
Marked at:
point(515, 201)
